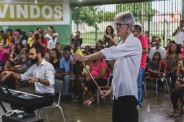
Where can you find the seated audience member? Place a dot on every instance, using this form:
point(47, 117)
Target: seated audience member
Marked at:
point(27, 47)
point(24, 57)
point(99, 45)
point(86, 49)
point(30, 38)
point(41, 73)
point(180, 82)
point(24, 38)
point(64, 71)
point(40, 40)
point(87, 64)
point(180, 75)
point(17, 54)
point(17, 36)
point(98, 70)
point(11, 51)
point(4, 54)
point(55, 59)
point(154, 65)
point(11, 81)
point(172, 59)
point(154, 69)
point(58, 47)
point(157, 48)
point(182, 49)
point(9, 36)
point(168, 44)
point(175, 96)
point(2, 35)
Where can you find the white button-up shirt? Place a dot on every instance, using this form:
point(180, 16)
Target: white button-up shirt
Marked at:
point(161, 50)
point(127, 57)
point(44, 71)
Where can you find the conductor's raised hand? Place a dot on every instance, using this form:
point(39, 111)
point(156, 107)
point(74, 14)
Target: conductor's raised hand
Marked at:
point(77, 57)
point(5, 74)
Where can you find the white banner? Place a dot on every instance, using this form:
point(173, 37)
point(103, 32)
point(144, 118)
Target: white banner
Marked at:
point(34, 14)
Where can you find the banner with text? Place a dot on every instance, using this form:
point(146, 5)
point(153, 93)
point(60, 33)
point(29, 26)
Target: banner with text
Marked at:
point(34, 14)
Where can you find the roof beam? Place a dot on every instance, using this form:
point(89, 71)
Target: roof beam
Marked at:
point(75, 3)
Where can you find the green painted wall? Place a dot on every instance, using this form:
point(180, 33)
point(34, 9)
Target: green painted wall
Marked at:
point(63, 30)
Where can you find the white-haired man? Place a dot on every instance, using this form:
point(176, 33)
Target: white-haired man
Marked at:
point(127, 55)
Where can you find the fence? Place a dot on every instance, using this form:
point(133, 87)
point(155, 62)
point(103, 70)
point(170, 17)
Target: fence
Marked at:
point(160, 18)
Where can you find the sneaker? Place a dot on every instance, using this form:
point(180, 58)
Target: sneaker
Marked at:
point(138, 108)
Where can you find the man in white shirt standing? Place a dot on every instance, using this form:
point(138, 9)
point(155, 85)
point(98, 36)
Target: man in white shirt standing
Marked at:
point(127, 55)
point(41, 73)
point(157, 48)
point(179, 33)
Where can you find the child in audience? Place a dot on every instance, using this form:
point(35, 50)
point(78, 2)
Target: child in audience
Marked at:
point(155, 65)
point(155, 69)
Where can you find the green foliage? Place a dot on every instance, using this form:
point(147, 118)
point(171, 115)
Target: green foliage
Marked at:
point(139, 10)
point(90, 15)
point(107, 16)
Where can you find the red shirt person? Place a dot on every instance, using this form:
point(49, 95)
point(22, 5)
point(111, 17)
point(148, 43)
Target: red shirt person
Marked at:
point(144, 43)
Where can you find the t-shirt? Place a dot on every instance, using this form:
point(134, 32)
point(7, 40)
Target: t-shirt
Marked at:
point(180, 37)
point(78, 52)
point(95, 69)
point(65, 64)
point(56, 65)
point(144, 43)
point(51, 42)
point(30, 41)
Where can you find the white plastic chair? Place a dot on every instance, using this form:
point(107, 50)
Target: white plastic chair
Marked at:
point(54, 105)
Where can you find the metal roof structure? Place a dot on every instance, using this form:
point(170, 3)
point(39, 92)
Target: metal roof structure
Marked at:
point(74, 3)
point(101, 2)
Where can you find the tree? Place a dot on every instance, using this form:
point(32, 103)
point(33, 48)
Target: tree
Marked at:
point(139, 10)
point(90, 15)
point(107, 16)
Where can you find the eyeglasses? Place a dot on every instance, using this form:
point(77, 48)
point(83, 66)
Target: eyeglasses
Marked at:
point(118, 25)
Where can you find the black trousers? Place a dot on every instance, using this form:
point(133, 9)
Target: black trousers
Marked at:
point(92, 86)
point(47, 98)
point(125, 109)
point(175, 95)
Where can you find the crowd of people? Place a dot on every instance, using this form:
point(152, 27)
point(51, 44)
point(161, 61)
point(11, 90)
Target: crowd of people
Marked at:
point(131, 57)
